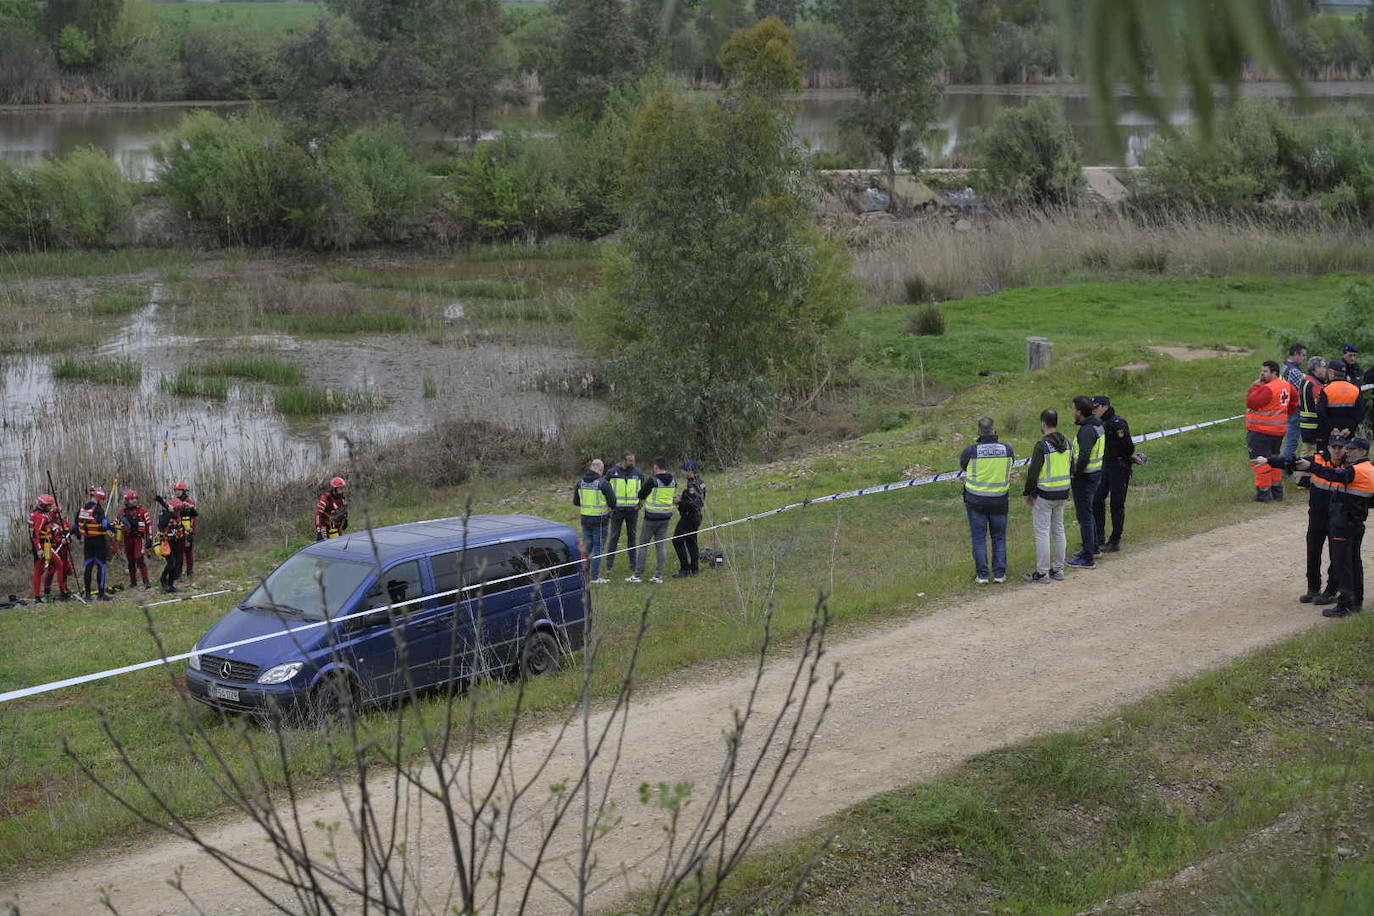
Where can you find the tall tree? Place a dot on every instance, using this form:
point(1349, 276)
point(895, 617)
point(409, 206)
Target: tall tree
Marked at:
point(599, 52)
point(894, 55)
point(723, 288)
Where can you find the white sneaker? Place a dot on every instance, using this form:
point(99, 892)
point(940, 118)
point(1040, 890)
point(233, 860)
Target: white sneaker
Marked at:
point(657, 580)
point(600, 580)
point(633, 579)
point(999, 579)
point(980, 581)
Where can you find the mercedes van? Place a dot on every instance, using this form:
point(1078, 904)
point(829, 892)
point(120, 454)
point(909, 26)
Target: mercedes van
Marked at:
point(383, 625)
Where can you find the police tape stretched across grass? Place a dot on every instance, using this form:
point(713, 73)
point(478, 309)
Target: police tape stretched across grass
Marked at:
point(21, 693)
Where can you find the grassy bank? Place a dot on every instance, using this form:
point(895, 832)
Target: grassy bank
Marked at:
point(1260, 772)
point(874, 555)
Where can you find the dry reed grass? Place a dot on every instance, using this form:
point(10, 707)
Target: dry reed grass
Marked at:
point(1051, 248)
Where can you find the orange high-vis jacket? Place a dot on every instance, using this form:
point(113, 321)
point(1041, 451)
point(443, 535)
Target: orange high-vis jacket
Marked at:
point(1268, 405)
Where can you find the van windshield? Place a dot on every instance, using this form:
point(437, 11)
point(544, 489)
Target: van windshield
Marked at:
point(309, 587)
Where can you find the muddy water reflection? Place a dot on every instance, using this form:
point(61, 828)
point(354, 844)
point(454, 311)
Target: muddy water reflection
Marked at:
point(151, 438)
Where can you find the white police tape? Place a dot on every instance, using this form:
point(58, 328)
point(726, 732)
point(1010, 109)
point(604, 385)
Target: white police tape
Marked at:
point(21, 693)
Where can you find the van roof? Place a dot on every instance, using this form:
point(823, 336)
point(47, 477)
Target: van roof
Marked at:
point(396, 541)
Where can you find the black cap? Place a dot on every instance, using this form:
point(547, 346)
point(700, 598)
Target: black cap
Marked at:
point(1338, 442)
point(1337, 367)
point(1351, 348)
point(1359, 442)
point(689, 466)
point(1102, 400)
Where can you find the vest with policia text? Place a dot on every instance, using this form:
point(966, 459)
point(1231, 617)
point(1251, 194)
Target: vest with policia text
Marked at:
point(989, 470)
point(660, 501)
point(591, 500)
point(1272, 418)
point(626, 490)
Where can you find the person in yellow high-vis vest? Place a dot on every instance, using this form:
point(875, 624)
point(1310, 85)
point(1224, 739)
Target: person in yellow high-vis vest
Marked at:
point(625, 480)
point(595, 499)
point(1047, 493)
point(987, 477)
point(656, 496)
point(1089, 447)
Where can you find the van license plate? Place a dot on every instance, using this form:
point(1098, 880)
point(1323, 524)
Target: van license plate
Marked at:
point(224, 693)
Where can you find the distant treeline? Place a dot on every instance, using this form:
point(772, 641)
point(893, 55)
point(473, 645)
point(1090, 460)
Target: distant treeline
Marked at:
point(124, 50)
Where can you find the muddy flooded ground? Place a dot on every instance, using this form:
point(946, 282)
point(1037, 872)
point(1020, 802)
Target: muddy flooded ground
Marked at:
point(245, 371)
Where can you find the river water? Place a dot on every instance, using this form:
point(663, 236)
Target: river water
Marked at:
point(127, 131)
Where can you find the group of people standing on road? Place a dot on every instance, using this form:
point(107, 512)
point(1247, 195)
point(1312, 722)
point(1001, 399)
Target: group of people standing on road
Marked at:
point(1094, 467)
point(611, 502)
point(1322, 409)
point(51, 535)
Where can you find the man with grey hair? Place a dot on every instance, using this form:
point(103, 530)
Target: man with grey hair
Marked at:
point(1309, 391)
point(987, 476)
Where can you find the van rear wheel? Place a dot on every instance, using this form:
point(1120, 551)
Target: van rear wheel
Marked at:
point(539, 655)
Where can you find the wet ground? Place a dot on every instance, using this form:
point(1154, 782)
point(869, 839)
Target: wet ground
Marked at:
point(151, 438)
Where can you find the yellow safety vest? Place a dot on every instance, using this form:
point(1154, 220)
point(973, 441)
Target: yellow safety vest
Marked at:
point(626, 490)
point(1057, 469)
point(1094, 456)
point(660, 501)
point(592, 500)
point(989, 470)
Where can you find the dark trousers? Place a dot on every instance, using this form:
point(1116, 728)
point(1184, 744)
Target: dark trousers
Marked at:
point(1345, 557)
point(685, 543)
point(97, 560)
point(1084, 492)
point(1317, 537)
point(629, 518)
point(1115, 481)
point(172, 571)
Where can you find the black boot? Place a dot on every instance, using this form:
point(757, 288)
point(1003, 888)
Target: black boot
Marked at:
point(1263, 495)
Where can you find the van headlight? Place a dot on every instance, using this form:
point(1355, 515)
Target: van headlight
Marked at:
point(193, 662)
point(281, 674)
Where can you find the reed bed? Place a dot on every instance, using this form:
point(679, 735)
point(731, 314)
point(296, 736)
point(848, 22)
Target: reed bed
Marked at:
point(1046, 249)
point(101, 370)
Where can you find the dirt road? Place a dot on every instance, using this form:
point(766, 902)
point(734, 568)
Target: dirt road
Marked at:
point(916, 698)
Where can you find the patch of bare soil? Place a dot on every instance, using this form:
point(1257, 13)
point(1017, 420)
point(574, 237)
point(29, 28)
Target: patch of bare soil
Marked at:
point(916, 699)
point(1188, 354)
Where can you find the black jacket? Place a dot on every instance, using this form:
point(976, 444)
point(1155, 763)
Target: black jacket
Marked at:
point(1089, 431)
point(692, 496)
point(1055, 441)
point(1119, 448)
point(1348, 510)
point(591, 477)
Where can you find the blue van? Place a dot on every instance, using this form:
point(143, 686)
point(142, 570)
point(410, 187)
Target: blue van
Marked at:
point(526, 609)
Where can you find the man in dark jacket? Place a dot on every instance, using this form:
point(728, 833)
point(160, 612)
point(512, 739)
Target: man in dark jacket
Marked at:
point(1089, 447)
point(987, 475)
point(1318, 518)
point(626, 480)
point(656, 495)
point(1352, 487)
point(1338, 406)
point(691, 504)
point(1118, 460)
point(595, 501)
point(1046, 492)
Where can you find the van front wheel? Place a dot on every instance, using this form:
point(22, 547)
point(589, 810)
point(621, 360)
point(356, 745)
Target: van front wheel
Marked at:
point(333, 700)
point(539, 655)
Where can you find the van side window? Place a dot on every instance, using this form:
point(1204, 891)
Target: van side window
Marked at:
point(399, 583)
point(551, 554)
point(488, 566)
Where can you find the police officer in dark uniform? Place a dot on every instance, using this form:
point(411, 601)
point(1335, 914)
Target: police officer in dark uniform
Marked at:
point(1332, 455)
point(1118, 460)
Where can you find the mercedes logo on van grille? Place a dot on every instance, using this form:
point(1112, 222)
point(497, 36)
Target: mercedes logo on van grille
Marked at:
point(225, 670)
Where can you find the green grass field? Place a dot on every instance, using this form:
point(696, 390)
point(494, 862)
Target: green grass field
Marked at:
point(271, 18)
point(53, 813)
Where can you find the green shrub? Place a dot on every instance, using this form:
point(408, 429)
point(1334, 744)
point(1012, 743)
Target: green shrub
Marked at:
point(242, 178)
point(192, 383)
point(77, 200)
point(918, 290)
point(1029, 155)
point(513, 187)
point(929, 321)
point(377, 187)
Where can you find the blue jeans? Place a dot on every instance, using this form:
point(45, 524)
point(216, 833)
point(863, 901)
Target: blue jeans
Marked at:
point(594, 540)
point(1084, 490)
point(1291, 439)
point(980, 525)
